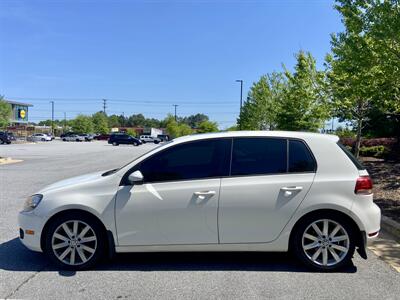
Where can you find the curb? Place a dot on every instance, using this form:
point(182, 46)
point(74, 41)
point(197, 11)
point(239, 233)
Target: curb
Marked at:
point(391, 226)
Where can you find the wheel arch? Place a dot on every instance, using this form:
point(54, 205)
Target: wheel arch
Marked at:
point(359, 234)
point(110, 245)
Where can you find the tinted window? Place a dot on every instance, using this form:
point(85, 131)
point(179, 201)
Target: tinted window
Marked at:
point(355, 161)
point(300, 158)
point(194, 160)
point(259, 156)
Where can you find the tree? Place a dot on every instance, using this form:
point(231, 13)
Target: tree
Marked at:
point(363, 69)
point(82, 124)
point(194, 120)
point(304, 104)
point(207, 126)
point(136, 120)
point(5, 113)
point(114, 121)
point(175, 129)
point(260, 110)
point(100, 122)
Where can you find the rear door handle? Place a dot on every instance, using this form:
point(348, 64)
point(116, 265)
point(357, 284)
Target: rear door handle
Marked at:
point(292, 188)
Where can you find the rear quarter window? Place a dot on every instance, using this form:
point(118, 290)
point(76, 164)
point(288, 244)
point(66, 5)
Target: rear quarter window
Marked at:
point(350, 155)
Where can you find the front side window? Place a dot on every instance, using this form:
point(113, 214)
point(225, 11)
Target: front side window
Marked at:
point(300, 158)
point(253, 156)
point(193, 160)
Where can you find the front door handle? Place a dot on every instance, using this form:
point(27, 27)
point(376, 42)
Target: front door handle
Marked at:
point(289, 190)
point(202, 195)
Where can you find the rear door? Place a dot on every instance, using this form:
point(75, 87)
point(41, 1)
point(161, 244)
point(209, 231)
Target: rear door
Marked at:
point(269, 179)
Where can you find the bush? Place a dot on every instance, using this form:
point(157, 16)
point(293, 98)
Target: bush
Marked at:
point(375, 151)
point(387, 142)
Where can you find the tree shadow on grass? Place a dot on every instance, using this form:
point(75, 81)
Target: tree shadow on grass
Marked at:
point(15, 257)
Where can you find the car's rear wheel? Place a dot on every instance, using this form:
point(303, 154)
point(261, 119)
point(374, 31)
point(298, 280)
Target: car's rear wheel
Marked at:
point(75, 241)
point(115, 144)
point(325, 243)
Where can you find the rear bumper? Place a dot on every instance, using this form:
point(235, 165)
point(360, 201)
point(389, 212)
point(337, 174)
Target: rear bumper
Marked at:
point(368, 216)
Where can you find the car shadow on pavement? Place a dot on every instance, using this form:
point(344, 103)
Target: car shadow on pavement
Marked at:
point(15, 257)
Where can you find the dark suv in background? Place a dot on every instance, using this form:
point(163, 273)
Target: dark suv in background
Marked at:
point(6, 138)
point(121, 138)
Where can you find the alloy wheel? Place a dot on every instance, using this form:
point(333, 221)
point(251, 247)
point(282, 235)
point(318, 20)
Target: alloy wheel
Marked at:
point(325, 242)
point(74, 242)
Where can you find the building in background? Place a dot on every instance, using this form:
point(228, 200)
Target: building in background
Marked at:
point(20, 113)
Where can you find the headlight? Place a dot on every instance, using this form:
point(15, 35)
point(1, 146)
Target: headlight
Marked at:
point(32, 202)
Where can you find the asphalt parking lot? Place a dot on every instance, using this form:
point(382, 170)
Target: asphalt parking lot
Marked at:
point(25, 274)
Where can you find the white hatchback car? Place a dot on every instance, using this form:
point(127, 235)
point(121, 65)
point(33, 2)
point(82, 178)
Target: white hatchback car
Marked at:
point(40, 137)
point(233, 191)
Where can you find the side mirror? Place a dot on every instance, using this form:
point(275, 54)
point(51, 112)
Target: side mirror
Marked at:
point(135, 177)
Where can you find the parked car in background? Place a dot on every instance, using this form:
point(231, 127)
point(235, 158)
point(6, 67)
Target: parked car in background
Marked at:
point(232, 191)
point(101, 137)
point(149, 139)
point(87, 137)
point(5, 137)
point(73, 138)
point(67, 134)
point(163, 137)
point(40, 137)
point(123, 139)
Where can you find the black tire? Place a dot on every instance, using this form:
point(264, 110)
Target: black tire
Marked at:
point(156, 142)
point(115, 144)
point(93, 223)
point(297, 245)
point(64, 140)
point(135, 144)
point(43, 140)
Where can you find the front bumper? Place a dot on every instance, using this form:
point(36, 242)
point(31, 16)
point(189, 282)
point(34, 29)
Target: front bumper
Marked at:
point(30, 228)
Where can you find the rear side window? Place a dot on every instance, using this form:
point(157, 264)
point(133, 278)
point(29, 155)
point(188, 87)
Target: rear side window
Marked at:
point(193, 160)
point(300, 157)
point(252, 156)
point(350, 155)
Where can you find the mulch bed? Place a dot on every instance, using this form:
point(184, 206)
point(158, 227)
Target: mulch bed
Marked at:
point(386, 178)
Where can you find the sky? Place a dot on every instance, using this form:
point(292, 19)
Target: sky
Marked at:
point(145, 56)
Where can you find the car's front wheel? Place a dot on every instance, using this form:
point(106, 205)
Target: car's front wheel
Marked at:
point(115, 144)
point(75, 241)
point(325, 243)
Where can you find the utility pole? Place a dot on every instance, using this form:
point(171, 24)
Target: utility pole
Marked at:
point(104, 105)
point(65, 122)
point(52, 118)
point(241, 99)
point(176, 105)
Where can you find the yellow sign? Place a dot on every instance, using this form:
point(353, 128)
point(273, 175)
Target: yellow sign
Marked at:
point(22, 114)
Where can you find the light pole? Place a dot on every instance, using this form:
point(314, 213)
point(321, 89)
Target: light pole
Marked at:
point(52, 118)
point(241, 100)
point(176, 105)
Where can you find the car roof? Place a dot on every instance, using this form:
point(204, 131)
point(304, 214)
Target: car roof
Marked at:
point(265, 133)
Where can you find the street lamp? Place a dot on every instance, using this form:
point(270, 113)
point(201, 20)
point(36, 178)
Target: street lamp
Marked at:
point(241, 99)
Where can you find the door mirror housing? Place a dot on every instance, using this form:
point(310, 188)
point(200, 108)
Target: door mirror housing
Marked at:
point(135, 177)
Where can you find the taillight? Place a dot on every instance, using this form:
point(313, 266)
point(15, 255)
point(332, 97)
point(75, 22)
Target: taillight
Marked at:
point(363, 186)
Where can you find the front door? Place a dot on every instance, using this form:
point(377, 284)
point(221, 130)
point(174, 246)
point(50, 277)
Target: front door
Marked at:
point(178, 200)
